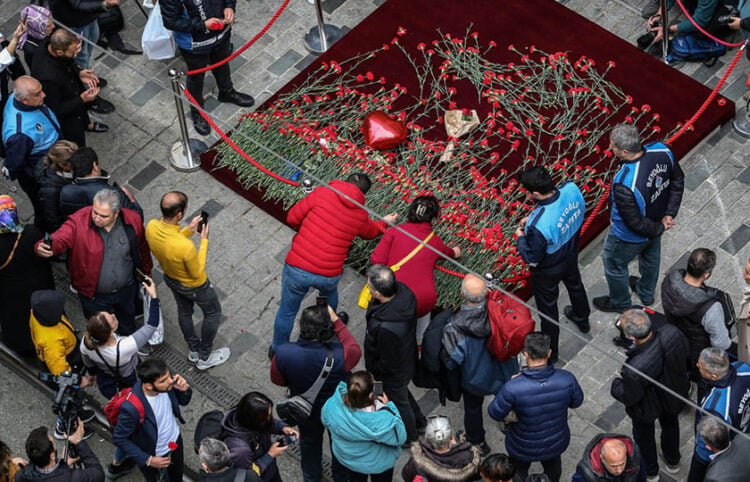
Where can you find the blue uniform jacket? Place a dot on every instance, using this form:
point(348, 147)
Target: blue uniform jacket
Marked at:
point(551, 233)
point(138, 440)
point(643, 191)
point(540, 398)
point(28, 133)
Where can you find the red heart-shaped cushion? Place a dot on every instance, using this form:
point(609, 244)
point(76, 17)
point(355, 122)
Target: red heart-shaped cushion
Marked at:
point(381, 132)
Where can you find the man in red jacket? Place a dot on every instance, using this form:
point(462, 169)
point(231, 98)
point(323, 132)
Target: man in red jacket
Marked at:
point(106, 244)
point(327, 222)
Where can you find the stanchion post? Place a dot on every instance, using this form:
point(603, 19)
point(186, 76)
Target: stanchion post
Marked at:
point(323, 35)
point(665, 29)
point(182, 155)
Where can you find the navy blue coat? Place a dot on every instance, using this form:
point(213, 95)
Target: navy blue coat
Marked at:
point(540, 398)
point(138, 440)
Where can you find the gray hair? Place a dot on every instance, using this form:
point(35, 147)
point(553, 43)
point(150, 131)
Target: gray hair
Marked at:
point(636, 324)
point(22, 87)
point(472, 290)
point(626, 137)
point(214, 454)
point(715, 361)
point(382, 279)
point(714, 432)
point(439, 432)
point(110, 197)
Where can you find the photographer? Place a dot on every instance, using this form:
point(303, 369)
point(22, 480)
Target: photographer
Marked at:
point(706, 13)
point(743, 20)
point(43, 463)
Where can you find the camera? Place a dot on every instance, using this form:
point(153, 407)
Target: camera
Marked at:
point(727, 19)
point(288, 439)
point(68, 403)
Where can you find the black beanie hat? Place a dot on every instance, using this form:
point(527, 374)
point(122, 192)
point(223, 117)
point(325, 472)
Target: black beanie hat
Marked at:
point(48, 306)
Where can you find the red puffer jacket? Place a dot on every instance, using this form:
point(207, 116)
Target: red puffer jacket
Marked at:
point(79, 235)
point(327, 224)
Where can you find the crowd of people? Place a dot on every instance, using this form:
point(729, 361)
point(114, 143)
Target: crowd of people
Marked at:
point(97, 228)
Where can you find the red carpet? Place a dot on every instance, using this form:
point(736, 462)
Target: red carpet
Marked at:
point(544, 24)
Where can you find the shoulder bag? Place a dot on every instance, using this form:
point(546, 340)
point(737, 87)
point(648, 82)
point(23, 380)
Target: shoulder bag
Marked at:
point(295, 410)
point(365, 295)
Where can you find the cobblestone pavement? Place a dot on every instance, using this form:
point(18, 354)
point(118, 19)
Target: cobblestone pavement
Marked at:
point(248, 246)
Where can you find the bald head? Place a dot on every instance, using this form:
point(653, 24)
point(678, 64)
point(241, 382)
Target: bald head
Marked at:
point(173, 205)
point(473, 289)
point(614, 456)
point(28, 91)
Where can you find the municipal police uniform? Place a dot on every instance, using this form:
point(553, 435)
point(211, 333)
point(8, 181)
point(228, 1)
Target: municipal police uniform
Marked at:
point(643, 191)
point(549, 247)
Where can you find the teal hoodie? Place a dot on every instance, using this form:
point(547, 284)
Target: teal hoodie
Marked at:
point(365, 442)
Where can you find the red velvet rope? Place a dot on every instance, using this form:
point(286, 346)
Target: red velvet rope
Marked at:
point(689, 124)
point(235, 146)
point(695, 24)
point(246, 46)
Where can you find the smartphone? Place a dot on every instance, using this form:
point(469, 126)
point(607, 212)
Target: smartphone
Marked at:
point(48, 241)
point(141, 278)
point(377, 389)
point(322, 301)
point(287, 439)
point(204, 220)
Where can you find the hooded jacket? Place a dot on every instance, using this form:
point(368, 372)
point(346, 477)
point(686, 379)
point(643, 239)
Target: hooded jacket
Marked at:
point(249, 448)
point(364, 442)
point(663, 358)
point(464, 340)
point(541, 398)
point(459, 464)
point(696, 312)
point(327, 224)
point(92, 471)
point(390, 341)
point(53, 336)
point(591, 468)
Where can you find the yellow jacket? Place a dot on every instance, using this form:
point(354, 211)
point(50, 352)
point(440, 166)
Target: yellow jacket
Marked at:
point(53, 343)
point(176, 253)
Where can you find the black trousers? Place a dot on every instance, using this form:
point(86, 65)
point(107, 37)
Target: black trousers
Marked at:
point(552, 467)
point(202, 58)
point(644, 434)
point(545, 284)
point(174, 471)
point(408, 408)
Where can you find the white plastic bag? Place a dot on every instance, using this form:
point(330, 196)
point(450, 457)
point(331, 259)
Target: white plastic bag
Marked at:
point(157, 41)
point(158, 337)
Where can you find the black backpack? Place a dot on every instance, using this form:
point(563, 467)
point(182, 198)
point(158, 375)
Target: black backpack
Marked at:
point(209, 425)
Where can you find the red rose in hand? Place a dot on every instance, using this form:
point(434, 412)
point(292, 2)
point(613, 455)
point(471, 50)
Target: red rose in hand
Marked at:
point(172, 446)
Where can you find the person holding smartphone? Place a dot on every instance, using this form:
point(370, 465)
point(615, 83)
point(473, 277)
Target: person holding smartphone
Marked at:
point(184, 270)
point(366, 431)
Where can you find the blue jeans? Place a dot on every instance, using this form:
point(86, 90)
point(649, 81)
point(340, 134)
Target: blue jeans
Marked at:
point(121, 303)
point(91, 33)
point(295, 283)
point(311, 449)
point(208, 301)
point(616, 256)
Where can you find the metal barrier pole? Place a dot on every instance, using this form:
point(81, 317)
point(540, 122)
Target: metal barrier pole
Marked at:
point(323, 35)
point(182, 150)
point(665, 27)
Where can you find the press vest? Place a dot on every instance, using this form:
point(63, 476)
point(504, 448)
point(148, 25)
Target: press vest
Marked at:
point(40, 124)
point(649, 179)
point(560, 221)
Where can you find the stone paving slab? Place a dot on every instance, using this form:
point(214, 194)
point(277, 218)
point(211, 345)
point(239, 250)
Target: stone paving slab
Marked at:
point(248, 247)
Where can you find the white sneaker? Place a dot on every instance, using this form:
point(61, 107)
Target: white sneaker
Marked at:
point(193, 357)
point(655, 478)
point(672, 469)
point(216, 358)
